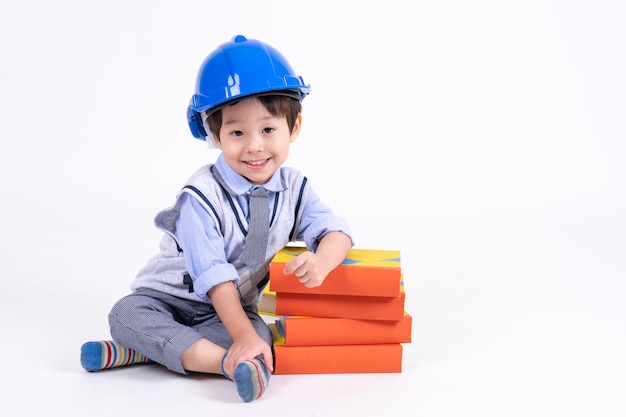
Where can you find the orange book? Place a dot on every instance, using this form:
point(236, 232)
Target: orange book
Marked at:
point(335, 359)
point(340, 306)
point(364, 272)
point(315, 331)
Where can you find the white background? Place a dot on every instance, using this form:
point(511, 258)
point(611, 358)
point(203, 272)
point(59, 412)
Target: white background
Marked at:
point(483, 139)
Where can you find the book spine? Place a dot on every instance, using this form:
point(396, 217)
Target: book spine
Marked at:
point(338, 306)
point(267, 303)
point(383, 358)
point(315, 331)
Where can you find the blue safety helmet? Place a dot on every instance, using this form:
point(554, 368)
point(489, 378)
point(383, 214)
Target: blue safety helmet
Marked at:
point(236, 69)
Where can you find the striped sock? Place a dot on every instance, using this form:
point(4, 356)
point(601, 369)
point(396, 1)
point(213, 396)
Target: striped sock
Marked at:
point(105, 354)
point(251, 379)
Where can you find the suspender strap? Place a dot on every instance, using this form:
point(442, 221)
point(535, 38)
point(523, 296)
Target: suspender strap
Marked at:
point(292, 236)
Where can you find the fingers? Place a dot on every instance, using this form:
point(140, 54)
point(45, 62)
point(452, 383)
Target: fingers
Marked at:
point(300, 265)
point(306, 274)
point(292, 266)
point(229, 365)
point(268, 361)
point(234, 357)
point(305, 269)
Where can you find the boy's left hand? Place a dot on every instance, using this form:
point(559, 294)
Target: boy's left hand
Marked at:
point(307, 268)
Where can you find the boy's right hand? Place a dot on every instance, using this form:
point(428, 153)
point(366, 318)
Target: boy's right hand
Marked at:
point(247, 347)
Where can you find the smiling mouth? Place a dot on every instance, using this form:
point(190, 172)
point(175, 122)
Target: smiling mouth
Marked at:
point(258, 163)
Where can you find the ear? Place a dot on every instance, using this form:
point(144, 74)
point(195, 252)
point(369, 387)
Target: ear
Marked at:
point(297, 126)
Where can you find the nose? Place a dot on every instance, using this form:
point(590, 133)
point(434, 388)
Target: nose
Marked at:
point(255, 142)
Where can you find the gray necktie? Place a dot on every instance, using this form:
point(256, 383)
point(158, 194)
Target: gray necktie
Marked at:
point(255, 246)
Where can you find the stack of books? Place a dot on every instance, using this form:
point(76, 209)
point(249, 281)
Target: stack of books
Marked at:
point(355, 322)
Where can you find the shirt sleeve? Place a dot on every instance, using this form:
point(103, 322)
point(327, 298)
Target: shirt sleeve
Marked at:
point(317, 220)
point(203, 247)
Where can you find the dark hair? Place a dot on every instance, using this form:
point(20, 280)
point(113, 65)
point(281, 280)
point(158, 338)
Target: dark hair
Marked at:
point(277, 105)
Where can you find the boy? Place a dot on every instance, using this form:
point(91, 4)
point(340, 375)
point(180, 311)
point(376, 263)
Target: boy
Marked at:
point(193, 307)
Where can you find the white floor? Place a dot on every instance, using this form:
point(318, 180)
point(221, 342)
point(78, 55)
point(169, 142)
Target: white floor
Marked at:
point(505, 118)
point(547, 339)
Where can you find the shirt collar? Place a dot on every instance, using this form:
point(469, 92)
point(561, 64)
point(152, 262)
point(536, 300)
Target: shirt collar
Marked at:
point(240, 185)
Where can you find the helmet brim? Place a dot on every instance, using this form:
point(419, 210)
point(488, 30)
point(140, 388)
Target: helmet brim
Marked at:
point(297, 95)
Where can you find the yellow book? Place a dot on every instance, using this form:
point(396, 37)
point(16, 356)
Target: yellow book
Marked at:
point(267, 303)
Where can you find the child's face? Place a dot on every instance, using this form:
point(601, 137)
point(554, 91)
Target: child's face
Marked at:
point(255, 143)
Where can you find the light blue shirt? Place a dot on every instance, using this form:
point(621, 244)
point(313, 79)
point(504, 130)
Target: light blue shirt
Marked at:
point(205, 247)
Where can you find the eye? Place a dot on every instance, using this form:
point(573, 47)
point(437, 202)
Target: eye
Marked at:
point(268, 130)
point(236, 133)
